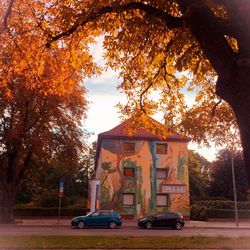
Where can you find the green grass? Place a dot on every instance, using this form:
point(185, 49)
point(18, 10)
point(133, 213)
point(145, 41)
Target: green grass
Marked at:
point(76, 242)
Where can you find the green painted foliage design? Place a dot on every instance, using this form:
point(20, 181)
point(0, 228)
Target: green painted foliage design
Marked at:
point(182, 165)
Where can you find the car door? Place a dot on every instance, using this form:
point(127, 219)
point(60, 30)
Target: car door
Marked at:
point(92, 219)
point(159, 220)
point(104, 218)
point(171, 219)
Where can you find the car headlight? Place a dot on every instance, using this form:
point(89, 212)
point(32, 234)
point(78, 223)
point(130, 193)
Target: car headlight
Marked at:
point(143, 219)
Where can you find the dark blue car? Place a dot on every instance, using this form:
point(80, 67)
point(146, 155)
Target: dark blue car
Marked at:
point(98, 218)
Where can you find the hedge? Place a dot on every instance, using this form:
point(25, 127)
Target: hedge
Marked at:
point(198, 213)
point(23, 212)
point(222, 204)
point(227, 213)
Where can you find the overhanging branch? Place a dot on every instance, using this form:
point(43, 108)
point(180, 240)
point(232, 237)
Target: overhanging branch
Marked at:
point(170, 21)
point(7, 15)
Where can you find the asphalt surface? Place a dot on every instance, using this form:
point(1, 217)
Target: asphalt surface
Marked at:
point(50, 226)
point(123, 231)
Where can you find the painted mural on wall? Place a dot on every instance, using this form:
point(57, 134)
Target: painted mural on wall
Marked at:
point(134, 183)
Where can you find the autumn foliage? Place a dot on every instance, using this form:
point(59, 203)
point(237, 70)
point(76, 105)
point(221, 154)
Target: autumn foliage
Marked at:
point(163, 49)
point(42, 100)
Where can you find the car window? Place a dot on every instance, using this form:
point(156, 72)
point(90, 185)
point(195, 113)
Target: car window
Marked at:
point(160, 215)
point(104, 214)
point(95, 214)
point(172, 215)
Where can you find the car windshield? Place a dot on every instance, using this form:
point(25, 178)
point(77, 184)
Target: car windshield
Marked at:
point(88, 214)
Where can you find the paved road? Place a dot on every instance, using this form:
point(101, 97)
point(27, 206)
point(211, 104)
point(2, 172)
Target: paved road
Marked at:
point(124, 231)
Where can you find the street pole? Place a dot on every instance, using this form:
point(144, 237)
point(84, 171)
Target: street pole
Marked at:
point(59, 208)
point(234, 192)
point(61, 187)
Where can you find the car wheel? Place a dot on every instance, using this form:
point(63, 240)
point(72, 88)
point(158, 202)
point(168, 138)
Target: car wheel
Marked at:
point(148, 225)
point(178, 226)
point(112, 225)
point(81, 224)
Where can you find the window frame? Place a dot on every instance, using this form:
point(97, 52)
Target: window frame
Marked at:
point(162, 169)
point(167, 199)
point(128, 143)
point(127, 205)
point(129, 177)
point(161, 144)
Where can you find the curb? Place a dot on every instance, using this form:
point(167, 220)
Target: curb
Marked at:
point(124, 226)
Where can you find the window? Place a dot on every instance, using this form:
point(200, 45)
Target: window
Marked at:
point(161, 200)
point(104, 213)
point(161, 173)
point(129, 147)
point(160, 215)
point(172, 216)
point(161, 148)
point(128, 199)
point(129, 172)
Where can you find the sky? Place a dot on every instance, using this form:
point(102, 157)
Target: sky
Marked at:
point(104, 96)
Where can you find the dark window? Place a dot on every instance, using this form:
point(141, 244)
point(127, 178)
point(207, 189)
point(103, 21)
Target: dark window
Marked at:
point(162, 200)
point(172, 215)
point(161, 148)
point(129, 147)
point(160, 215)
point(103, 213)
point(128, 199)
point(161, 173)
point(129, 172)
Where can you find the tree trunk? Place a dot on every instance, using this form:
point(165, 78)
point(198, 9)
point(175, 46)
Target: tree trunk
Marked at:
point(243, 119)
point(237, 94)
point(8, 203)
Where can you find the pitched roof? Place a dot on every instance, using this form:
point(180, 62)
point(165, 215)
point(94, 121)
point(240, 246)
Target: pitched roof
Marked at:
point(120, 132)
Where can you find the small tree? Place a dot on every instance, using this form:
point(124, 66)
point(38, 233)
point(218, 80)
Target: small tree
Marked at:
point(199, 175)
point(221, 175)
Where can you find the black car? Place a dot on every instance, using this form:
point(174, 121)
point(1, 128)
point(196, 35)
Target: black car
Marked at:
point(163, 219)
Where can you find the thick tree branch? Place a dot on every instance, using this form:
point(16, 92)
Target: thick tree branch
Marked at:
point(171, 21)
point(141, 97)
point(215, 106)
point(214, 45)
point(7, 15)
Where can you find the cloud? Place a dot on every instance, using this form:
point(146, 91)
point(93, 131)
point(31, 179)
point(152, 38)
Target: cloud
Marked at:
point(105, 84)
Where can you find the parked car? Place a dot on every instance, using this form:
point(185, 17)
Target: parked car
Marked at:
point(98, 218)
point(163, 219)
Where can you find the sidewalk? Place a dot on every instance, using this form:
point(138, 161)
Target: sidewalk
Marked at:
point(65, 222)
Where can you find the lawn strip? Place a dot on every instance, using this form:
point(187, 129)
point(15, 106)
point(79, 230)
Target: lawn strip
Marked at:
point(122, 242)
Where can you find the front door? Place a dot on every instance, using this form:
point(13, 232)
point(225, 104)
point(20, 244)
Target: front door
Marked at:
point(92, 220)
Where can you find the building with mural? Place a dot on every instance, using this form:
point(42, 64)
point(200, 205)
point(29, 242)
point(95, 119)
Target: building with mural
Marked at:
point(140, 174)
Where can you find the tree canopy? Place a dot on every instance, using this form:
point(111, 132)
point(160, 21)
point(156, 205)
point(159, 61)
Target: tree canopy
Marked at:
point(221, 176)
point(199, 175)
point(152, 42)
point(42, 100)
point(163, 48)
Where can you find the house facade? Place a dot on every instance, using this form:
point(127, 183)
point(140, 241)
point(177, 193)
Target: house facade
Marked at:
point(140, 174)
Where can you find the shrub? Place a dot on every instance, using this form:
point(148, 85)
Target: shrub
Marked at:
point(222, 204)
point(30, 212)
point(198, 213)
point(227, 213)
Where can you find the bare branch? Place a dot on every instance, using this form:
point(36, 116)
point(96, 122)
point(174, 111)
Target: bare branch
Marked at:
point(215, 106)
point(141, 97)
point(7, 15)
